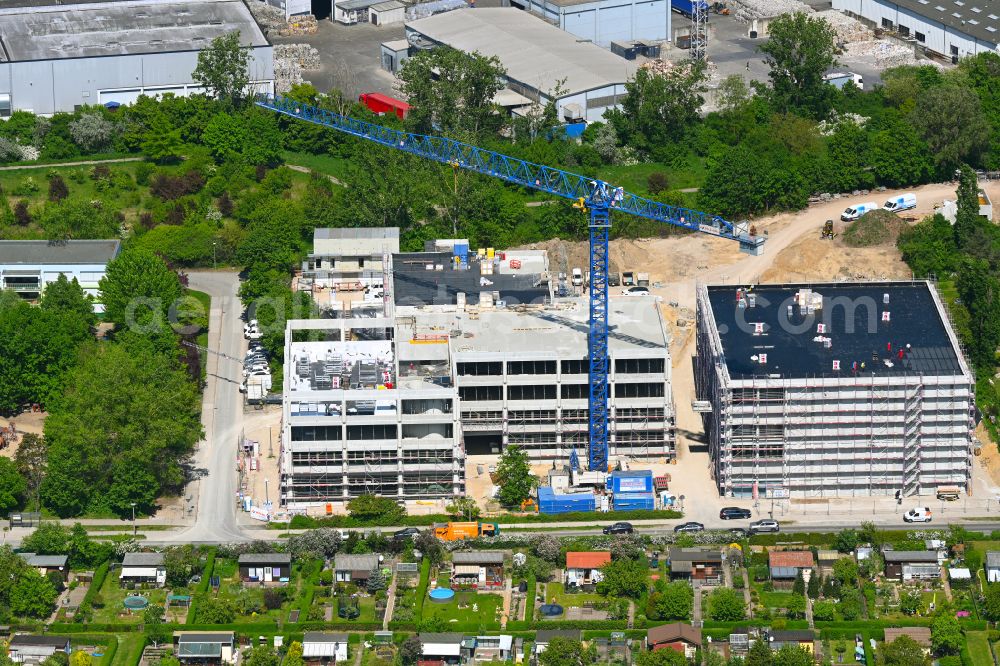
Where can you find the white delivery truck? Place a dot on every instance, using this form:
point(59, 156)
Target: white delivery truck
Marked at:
point(856, 211)
point(900, 202)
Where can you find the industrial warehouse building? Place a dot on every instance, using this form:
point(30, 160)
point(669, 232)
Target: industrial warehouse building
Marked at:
point(606, 21)
point(537, 56)
point(57, 58)
point(28, 266)
point(832, 390)
point(952, 28)
point(449, 353)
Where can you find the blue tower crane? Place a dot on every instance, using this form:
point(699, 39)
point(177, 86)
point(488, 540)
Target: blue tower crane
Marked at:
point(596, 196)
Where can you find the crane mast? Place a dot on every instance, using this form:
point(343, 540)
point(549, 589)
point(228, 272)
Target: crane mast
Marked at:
point(596, 196)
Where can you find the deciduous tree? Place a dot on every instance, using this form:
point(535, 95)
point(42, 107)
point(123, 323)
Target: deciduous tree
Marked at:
point(623, 578)
point(452, 92)
point(515, 478)
point(673, 602)
point(726, 605)
point(659, 109)
point(224, 69)
point(137, 291)
point(904, 651)
point(66, 295)
point(950, 119)
point(946, 634)
point(121, 432)
point(799, 51)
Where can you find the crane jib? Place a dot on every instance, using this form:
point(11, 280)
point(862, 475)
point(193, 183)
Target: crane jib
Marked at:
point(598, 197)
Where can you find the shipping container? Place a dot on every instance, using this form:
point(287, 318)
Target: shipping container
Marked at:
point(640, 481)
point(627, 50)
point(381, 104)
point(550, 502)
point(634, 501)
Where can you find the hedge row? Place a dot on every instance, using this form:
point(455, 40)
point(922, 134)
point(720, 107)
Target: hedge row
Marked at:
point(310, 522)
point(529, 597)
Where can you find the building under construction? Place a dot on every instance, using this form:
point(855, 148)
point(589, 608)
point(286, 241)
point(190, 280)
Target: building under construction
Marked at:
point(833, 390)
point(447, 353)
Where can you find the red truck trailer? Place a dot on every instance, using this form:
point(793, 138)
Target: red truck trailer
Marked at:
point(379, 103)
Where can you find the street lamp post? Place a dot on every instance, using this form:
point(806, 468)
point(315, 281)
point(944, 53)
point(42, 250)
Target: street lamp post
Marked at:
point(214, 265)
point(266, 497)
point(133, 519)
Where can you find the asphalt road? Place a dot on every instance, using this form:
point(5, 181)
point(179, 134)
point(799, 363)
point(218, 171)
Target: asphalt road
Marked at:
point(221, 417)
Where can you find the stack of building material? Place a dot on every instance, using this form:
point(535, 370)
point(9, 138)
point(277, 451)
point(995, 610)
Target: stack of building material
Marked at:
point(269, 18)
point(750, 10)
point(289, 62)
point(300, 25)
point(848, 29)
point(883, 54)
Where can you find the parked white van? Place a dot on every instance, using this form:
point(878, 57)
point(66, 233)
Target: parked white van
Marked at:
point(901, 202)
point(856, 211)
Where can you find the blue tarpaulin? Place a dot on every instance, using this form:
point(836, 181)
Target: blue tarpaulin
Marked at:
point(550, 502)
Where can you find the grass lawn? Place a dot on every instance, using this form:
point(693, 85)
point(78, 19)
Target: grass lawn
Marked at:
point(775, 599)
point(367, 607)
point(847, 655)
point(556, 593)
point(635, 177)
point(113, 597)
point(205, 303)
point(129, 650)
point(979, 648)
point(331, 166)
point(485, 614)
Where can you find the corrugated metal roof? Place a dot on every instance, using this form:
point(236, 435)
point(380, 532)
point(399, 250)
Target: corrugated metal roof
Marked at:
point(478, 557)
point(534, 53)
point(972, 17)
point(123, 28)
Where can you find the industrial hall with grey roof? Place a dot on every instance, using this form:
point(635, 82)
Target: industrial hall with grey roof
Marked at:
point(57, 57)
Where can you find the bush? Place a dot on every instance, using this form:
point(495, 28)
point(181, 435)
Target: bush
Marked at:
point(143, 172)
point(92, 132)
point(169, 188)
point(273, 598)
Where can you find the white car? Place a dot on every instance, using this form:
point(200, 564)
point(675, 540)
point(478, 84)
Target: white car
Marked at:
point(921, 514)
point(635, 291)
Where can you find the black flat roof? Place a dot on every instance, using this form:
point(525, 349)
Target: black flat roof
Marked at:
point(853, 317)
point(413, 284)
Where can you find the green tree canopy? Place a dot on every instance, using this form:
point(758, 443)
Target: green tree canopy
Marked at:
point(904, 651)
point(673, 602)
point(950, 119)
point(946, 634)
point(623, 578)
point(562, 651)
point(224, 69)
point(121, 431)
point(659, 109)
point(451, 92)
point(137, 291)
point(800, 50)
point(376, 509)
point(37, 348)
point(726, 605)
point(515, 478)
point(68, 296)
point(661, 658)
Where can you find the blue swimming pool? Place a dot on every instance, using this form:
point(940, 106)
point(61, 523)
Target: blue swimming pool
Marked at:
point(442, 595)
